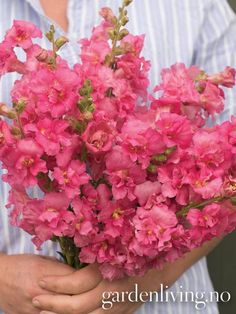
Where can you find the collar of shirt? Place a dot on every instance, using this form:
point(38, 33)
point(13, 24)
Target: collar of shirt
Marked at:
point(72, 12)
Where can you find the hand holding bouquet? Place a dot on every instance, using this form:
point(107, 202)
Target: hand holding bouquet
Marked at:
point(129, 180)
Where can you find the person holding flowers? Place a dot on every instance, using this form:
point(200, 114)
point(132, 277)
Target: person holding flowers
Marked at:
point(54, 153)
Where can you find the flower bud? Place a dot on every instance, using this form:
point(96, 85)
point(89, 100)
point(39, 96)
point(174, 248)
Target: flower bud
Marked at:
point(159, 158)
point(229, 186)
point(124, 20)
point(127, 2)
point(170, 150)
point(225, 78)
point(112, 34)
point(118, 51)
point(50, 33)
point(233, 200)
point(15, 131)
point(108, 15)
point(42, 56)
point(88, 116)
point(6, 112)
point(124, 32)
point(152, 168)
point(61, 41)
point(80, 126)
point(19, 106)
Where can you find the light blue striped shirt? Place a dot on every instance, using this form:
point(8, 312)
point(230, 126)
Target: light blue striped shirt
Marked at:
point(198, 32)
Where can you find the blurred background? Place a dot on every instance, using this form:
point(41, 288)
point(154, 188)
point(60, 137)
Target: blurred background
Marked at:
point(233, 4)
point(222, 261)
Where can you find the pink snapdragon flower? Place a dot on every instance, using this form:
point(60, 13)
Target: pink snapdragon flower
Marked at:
point(49, 134)
point(114, 217)
point(99, 136)
point(133, 44)
point(55, 216)
point(123, 174)
point(6, 138)
point(173, 178)
point(99, 196)
point(212, 98)
point(212, 150)
point(152, 229)
point(72, 177)
point(94, 50)
point(225, 78)
point(21, 34)
point(42, 218)
point(132, 67)
point(108, 14)
point(55, 91)
point(24, 166)
point(145, 191)
point(140, 141)
point(229, 186)
point(9, 61)
point(84, 223)
point(175, 129)
point(178, 84)
point(209, 222)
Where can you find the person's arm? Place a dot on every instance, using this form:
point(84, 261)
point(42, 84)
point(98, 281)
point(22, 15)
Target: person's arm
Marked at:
point(84, 288)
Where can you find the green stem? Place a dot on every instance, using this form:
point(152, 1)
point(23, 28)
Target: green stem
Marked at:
point(184, 211)
point(117, 30)
point(53, 43)
point(20, 124)
point(70, 252)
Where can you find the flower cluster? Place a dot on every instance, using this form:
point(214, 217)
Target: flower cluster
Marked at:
point(125, 185)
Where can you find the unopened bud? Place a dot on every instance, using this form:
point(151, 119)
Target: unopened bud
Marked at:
point(108, 15)
point(88, 116)
point(233, 200)
point(124, 32)
point(42, 56)
point(118, 51)
point(152, 168)
point(50, 33)
point(6, 112)
point(127, 2)
point(61, 41)
point(83, 92)
point(19, 106)
point(91, 108)
point(124, 20)
point(159, 158)
point(50, 60)
point(11, 115)
point(80, 126)
point(112, 34)
point(201, 76)
point(170, 150)
point(15, 131)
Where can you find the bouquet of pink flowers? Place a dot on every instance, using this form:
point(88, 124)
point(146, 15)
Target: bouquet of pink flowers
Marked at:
point(128, 180)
